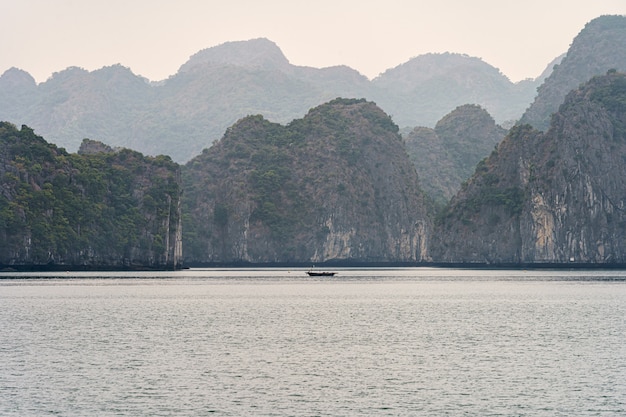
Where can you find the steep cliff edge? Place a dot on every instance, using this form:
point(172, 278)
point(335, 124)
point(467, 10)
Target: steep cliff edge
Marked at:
point(335, 185)
point(98, 209)
point(557, 197)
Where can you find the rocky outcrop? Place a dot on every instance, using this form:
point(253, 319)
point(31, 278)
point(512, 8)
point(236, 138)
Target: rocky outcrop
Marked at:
point(557, 197)
point(101, 209)
point(335, 185)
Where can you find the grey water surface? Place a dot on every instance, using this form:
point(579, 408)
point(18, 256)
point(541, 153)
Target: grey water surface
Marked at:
point(368, 342)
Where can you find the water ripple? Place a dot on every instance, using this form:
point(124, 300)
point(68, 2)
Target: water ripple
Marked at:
point(278, 347)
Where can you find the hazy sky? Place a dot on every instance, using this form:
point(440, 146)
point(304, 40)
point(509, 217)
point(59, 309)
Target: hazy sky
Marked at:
point(155, 37)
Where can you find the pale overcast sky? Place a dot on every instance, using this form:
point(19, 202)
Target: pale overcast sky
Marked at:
point(155, 37)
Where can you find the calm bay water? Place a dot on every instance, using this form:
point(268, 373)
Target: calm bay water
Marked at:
point(404, 342)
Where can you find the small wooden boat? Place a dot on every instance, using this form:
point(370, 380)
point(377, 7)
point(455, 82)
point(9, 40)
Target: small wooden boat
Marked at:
point(321, 273)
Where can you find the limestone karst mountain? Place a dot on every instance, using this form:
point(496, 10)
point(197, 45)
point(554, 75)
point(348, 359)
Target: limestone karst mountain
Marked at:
point(554, 197)
point(334, 185)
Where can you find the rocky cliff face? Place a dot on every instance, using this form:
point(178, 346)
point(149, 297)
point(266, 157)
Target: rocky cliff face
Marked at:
point(100, 209)
point(447, 155)
point(335, 185)
point(557, 197)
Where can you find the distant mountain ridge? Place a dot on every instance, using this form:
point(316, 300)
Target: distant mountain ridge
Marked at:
point(432, 85)
point(217, 86)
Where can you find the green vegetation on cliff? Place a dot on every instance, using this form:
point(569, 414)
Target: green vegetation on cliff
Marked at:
point(102, 209)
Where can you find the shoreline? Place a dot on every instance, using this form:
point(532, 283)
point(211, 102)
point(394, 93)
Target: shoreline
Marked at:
point(309, 265)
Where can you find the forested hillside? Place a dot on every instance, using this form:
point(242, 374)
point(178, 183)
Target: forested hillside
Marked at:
point(99, 209)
